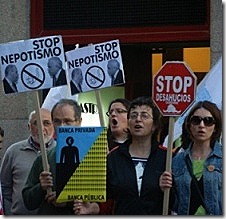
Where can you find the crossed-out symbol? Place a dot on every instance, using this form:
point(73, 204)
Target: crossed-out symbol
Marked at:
point(32, 76)
point(95, 77)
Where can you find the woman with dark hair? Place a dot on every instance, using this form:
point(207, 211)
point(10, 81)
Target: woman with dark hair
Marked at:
point(118, 125)
point(197, 172)
point(134, 168)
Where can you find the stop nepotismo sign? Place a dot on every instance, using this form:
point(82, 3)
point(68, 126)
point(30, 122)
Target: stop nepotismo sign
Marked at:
point(174, 88)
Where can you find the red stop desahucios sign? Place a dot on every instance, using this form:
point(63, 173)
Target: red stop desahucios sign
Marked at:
point(174, 88)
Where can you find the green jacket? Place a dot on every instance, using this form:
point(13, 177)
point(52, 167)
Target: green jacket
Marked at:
point(34, 196)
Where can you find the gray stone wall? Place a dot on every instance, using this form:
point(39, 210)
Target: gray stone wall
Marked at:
point(216, 30)
point(14, 108)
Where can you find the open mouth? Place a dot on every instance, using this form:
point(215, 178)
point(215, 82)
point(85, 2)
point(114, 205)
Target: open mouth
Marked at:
point(114, 122)
point(137, 127)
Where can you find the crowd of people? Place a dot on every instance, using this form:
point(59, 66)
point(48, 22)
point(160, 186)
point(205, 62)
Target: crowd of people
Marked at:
point(136, 161)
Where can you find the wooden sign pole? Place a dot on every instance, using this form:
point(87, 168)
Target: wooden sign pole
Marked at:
point(168, 163)
point(41, 137)
point(99, 106)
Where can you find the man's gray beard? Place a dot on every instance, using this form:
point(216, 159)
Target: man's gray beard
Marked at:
point(46, 139)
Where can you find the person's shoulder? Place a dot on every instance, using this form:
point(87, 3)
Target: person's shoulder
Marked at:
point(72, 84)
point(113, 149)
point(160, 150)
point(16, 146)
point(52, 151)
point(51, 144)
point(119, 149)
point(38, 161)
point(62, 71)
point(218, 148)
point(162, 147)
point(218, 144)
point(180, 155)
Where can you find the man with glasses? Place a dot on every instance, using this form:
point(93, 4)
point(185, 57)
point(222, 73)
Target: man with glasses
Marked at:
point(18, 160)
point(40, 189)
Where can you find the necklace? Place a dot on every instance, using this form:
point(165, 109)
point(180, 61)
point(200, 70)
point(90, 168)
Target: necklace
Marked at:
point(197, 157)
point(200, 156)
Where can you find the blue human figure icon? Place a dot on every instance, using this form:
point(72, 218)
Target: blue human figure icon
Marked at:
point(69, 153)
point(69, 161)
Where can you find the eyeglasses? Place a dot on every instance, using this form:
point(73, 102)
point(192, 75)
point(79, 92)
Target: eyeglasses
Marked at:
point(143, 115)
point(58, 122)
point(208, 120)
point(46, 123)
point(117, 111)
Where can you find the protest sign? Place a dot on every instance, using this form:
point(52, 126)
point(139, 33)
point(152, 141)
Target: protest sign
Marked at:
point(95, 66)
point(174, 89)
point(33, 64)
point(81, 163)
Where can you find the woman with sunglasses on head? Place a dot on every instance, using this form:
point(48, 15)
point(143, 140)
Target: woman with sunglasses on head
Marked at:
point(197, 172)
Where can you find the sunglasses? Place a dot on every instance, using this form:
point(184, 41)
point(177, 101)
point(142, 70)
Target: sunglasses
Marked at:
point(208, 120)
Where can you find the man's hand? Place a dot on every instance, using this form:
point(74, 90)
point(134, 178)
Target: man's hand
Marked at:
point(46, 180)
point(51, 198)
point(85, 208)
